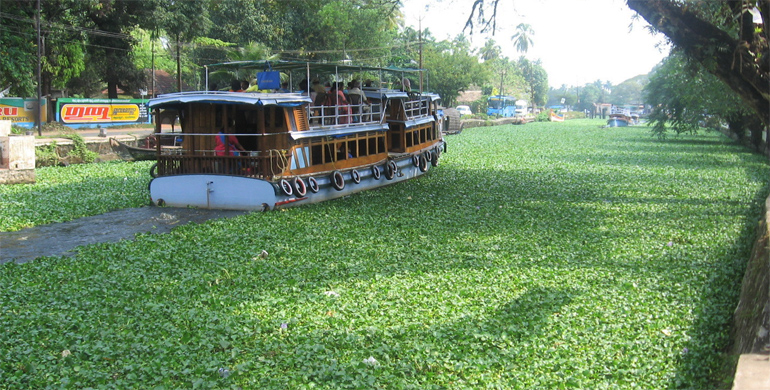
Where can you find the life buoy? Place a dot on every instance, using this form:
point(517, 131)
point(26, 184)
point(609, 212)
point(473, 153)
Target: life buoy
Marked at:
point(313, 184)
point(154, 170)
point(376, 172)
point(300, 187)
point(286, 187)
point(434, 159)
point(390, 170)
point(355, 176)
point(423, 163)
point(338, 181)
point(416, 160)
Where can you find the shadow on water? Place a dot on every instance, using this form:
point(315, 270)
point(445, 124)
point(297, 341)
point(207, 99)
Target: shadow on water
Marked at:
point(61, 239)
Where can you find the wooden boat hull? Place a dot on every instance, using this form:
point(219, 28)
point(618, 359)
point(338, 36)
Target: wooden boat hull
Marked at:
point(131, 153)
point(617, 122)
point(247, 193)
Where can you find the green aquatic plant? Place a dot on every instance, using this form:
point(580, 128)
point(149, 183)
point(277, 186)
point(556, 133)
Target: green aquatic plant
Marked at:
point(544, 256)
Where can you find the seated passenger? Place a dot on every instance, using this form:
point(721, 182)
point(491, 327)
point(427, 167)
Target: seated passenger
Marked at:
point(336, 98)
point(227, 142)
point(358, 100)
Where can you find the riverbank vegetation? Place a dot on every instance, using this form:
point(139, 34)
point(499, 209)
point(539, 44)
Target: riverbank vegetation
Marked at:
point(550, 255)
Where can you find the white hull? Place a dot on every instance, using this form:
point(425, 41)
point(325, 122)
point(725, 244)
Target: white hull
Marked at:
point(245, 193)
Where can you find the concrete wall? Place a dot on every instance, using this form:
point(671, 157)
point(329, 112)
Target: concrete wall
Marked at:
point(751, 321)
point(17, 156)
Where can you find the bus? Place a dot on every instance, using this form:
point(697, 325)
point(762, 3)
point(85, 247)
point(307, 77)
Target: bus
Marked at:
point(504, 106)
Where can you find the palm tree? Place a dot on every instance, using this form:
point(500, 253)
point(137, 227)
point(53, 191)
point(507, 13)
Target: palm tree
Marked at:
point(523, 37)
point(490, 51)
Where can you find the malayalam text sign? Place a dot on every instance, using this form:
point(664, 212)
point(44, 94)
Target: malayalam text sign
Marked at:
point(99, 113)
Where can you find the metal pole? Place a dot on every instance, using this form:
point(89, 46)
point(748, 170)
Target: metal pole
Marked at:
point(420, 40)
point(39, 117)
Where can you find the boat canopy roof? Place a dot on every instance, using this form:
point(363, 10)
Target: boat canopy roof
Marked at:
point(280, 65)
point(218, 97)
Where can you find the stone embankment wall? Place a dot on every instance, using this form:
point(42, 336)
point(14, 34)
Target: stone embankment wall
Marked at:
point(751, 321)
point(751, 333)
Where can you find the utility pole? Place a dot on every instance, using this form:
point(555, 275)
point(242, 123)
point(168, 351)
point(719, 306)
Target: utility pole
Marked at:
point(419, 39)
point(39, 91)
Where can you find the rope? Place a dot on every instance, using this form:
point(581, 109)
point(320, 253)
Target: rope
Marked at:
point(283, 163)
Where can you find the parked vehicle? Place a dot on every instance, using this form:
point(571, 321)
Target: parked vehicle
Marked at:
point(464, 110)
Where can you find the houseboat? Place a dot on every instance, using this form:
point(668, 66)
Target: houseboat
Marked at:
point(268, 150)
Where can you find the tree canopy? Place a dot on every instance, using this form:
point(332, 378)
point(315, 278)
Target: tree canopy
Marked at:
point(97, 45)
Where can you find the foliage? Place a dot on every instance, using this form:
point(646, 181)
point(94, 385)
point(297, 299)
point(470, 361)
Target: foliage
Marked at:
point(65, 193)
point(543, 116)
point(543, 256)
point(629, 92)
point(18, 43)
point(451, 68)
point(536, 79)
point(522, 39)
point(80, 149)
point(722, 37)
point(47, 155)
point(683, 95)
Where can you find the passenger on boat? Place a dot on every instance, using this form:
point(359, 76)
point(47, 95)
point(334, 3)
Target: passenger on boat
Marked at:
point(232, 143)
point(359, 103)
point(252, 86)
point(304, 87)
point(335, 97)
point(235, 86)
point(406, 85)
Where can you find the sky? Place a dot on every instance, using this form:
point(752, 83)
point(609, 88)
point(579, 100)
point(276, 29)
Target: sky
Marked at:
point(577, 41)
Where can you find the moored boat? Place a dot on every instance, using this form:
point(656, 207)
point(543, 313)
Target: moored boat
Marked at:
point(131, 153)
point(263, 150)
point(618, 120)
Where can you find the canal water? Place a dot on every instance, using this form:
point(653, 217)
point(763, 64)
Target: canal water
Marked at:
point(61, 239)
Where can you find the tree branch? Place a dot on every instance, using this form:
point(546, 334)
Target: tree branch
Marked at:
point(724, 56)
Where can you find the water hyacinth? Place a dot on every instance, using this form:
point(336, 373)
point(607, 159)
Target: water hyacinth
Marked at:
point(566, 280)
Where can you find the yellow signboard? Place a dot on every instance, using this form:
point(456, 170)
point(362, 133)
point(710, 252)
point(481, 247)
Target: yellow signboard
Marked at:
point(18, 110)
point(98, 113)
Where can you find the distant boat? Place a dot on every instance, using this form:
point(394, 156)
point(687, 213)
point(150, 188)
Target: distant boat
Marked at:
point(618, 120)
point(556, 117)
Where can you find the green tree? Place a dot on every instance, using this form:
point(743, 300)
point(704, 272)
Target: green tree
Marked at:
point(110, 46)
point(522, 40)
point(537, 80)
point(590, 95)
point(490, 51)
point(685, 96)
point(183, 21)
point(721, 37)
point(18, 50)
point(452, 68)
point(629, 91)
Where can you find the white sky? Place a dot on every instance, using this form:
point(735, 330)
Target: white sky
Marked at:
point(577, 41)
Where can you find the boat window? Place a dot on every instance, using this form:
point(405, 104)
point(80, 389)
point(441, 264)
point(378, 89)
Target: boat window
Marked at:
point(328, 153)
point(316, 154)
point(362, 150)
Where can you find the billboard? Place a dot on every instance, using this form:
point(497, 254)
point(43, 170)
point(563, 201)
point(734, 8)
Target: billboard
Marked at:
point(84, 112)
point(22, 111)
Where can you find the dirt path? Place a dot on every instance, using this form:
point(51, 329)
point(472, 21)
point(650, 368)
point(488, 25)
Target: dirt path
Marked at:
point(60, 239)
